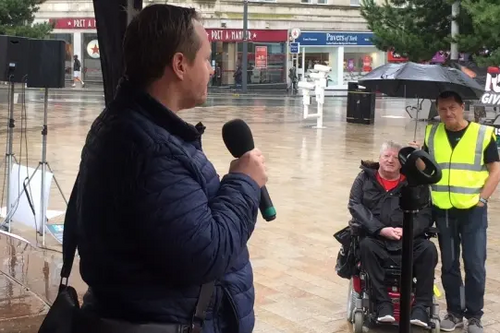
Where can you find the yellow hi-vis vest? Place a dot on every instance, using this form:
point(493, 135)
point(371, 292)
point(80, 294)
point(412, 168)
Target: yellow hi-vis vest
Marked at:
point(464, 172)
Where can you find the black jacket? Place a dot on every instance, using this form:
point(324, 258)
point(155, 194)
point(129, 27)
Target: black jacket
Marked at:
point(155, 222)
point(374, 208)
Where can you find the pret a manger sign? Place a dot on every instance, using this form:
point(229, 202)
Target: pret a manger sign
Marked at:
point(492, 87)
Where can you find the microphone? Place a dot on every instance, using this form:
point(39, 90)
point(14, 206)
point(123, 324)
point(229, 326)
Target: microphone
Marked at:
point(239, 139)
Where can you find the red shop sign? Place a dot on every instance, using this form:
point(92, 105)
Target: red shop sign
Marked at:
point(394, 57)
point(261, 56)
point(74, 23)
point(236, 35)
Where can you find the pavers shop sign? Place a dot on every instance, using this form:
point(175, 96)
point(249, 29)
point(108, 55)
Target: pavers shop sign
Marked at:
point(492, 87)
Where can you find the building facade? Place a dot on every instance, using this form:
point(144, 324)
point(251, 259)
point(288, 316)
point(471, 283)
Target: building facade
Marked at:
point(333, 33)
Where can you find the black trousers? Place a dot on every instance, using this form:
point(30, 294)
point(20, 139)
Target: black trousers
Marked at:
point(374, 254)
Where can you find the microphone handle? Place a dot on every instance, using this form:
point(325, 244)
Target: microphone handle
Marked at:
point(266, 206)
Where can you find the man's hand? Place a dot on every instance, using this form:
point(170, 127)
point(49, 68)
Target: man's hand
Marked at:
point(420, 163)
point(399, 232)
point(390, 233)
point(480, 204)
point(415, 145)
point(251, 164)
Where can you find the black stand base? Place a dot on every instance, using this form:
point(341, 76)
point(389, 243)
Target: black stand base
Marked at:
point(410, 203)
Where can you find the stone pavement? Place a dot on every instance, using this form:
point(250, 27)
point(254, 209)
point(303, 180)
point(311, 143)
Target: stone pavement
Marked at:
point(310, 172)
point(94, 87)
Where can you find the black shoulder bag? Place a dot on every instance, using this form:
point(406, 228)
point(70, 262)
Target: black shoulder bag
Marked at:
point(64, 313)
point(346, 258)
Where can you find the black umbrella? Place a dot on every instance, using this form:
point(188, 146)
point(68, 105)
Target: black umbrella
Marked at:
point(412, 80)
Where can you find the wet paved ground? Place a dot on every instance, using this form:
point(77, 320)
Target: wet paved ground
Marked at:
point(310, 174)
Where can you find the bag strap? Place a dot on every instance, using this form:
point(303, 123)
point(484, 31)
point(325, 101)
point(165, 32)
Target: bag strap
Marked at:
point(200, 313)
point(70, 240)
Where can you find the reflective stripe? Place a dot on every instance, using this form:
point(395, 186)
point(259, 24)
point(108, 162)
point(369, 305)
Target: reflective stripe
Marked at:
point(463, 166)
point(479, 145)
point(455, 189)
point(432, 134)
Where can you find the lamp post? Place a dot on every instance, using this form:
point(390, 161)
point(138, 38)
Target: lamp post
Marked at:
point(455, 10)
point(244, 57)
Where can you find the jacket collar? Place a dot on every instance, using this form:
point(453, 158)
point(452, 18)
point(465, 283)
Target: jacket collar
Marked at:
point(129, 94)
point(370, 167)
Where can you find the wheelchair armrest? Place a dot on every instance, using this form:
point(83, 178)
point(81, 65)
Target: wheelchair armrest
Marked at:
point(357, 229)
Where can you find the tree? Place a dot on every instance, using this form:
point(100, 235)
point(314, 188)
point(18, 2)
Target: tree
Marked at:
point(484, 42)
point(17, 16)
point(415, 28)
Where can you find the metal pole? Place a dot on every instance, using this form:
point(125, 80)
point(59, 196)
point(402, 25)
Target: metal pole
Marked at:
point(455, 10)
point(406, 265)
point(43, 163)
point(303, 64)
point(244, 60)
point(10, 137)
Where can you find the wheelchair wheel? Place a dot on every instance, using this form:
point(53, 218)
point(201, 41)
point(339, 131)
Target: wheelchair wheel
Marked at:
point(437, 325)
point(352, 295)
point(358, 322)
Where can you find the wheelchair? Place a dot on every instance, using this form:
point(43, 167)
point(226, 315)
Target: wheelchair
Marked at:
point(361, 309)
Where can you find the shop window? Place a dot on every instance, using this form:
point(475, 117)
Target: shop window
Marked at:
point(91, 58)
point(266, 62)
point(360, 61)
point(318, 58)
point(315, 59)
point(322, 2)
point(355, 3)
point(305, 1)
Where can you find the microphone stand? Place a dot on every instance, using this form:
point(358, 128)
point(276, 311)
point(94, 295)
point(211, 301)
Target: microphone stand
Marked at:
point(411, 202)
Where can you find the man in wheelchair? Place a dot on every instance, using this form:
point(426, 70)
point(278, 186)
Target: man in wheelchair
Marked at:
point(374, 206)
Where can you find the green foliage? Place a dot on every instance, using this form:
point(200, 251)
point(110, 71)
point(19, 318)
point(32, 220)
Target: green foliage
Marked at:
point(17, 16)
point(416, 29)
point(485, 20)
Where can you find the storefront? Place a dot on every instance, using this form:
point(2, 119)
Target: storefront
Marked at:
point(349, 54)
point(80, 35)
point(266, 51)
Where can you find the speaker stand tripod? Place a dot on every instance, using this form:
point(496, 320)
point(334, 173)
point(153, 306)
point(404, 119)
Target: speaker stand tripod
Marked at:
point(9, 158)
point(43, 165)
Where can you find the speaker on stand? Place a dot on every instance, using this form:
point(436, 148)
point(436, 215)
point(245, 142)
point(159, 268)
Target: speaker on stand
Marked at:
point(13, 69)
point(46, 69)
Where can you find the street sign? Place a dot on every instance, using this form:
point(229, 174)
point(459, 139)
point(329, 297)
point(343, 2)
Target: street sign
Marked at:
point(294, 48)
point(295, 33)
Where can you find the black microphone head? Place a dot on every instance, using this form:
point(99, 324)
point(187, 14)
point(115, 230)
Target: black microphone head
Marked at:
point(238, 137)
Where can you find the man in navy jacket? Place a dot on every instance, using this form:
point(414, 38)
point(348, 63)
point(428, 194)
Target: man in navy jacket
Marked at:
point(154, 220)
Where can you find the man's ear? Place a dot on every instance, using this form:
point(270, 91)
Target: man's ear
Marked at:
point(179, 65)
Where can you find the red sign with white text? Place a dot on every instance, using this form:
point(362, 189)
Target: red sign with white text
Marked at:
point(261, 56)
point(394, 57)
point(236, 35)
point(74, 23)
point(214, 35)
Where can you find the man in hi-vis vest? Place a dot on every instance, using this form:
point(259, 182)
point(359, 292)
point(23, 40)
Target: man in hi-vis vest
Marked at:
point(468, 155)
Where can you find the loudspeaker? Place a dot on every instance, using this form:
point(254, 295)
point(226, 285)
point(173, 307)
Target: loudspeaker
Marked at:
point(46, 63)
point(13, 58)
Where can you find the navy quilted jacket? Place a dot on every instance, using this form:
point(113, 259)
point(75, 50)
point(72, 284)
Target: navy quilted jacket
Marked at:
point(155, 222)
